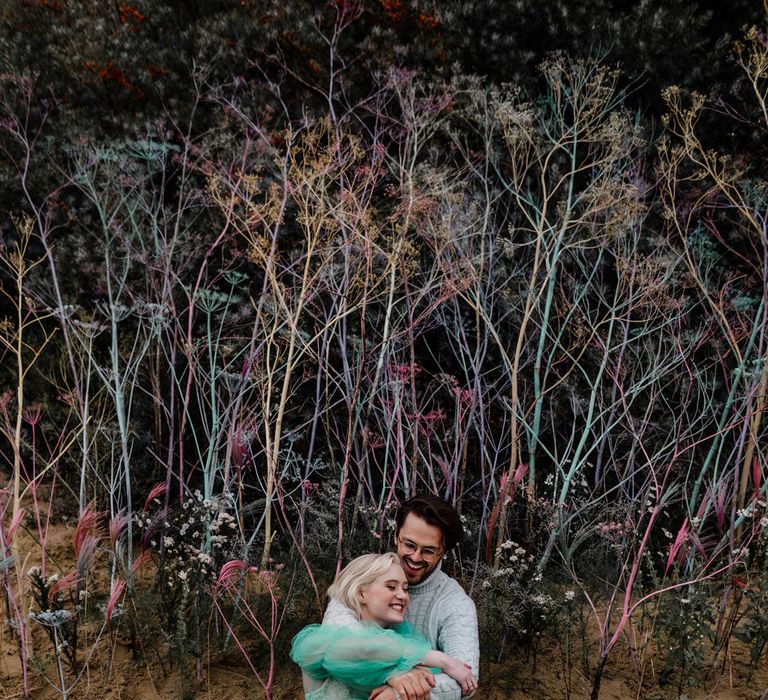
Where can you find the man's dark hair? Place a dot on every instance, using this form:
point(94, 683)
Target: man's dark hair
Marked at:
point(436, 512)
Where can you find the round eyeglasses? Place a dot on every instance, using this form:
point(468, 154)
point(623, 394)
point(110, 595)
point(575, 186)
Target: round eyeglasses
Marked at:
point(427, 553)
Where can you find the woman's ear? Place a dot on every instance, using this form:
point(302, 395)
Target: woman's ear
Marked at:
point(361, 595)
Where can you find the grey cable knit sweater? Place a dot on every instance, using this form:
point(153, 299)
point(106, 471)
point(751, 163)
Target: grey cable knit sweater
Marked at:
point(446, 616)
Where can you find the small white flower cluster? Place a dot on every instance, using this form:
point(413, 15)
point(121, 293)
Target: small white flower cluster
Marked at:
point(542, 600)
point(49, 611)
point(614, 532)
point(371, 509)
point(143, 520)
point(542, 604)
point(41, 589)
point(194, 540)
point(513, 561)
point(509, 544)
point(51, 618)
point(223, 520)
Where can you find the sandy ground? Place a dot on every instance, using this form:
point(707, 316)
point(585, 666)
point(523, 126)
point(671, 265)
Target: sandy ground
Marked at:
point(113, 673)
point(506, 681)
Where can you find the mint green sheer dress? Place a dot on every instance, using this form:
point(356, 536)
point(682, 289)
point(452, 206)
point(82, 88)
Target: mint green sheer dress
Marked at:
point(346, 662)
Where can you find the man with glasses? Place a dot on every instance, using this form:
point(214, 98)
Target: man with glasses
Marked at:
point(426, 528)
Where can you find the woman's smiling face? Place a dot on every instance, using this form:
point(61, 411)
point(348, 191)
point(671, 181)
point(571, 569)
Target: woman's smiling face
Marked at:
point(385, 599)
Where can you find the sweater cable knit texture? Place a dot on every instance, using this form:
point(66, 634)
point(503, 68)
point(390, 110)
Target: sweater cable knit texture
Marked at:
point(446, 616)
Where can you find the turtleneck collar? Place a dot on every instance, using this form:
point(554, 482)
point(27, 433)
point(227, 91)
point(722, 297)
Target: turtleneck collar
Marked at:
point(433, 582)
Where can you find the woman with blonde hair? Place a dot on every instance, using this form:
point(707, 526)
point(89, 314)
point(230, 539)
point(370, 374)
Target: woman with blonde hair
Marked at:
point(366, 641)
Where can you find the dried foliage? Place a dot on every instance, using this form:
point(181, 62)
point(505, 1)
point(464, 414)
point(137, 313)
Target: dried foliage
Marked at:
point(322, 284)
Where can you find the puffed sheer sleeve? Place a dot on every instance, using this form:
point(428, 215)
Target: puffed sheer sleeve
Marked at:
point(361, 655)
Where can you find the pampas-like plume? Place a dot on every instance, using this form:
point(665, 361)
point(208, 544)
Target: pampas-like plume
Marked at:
point(118, 587)
point(62, 584)
point(232, 572)
point(87, 527)
point(116, 526)
point(157, 491)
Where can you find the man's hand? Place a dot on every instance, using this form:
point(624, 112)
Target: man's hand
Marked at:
point(461, 672)
point(413, 685)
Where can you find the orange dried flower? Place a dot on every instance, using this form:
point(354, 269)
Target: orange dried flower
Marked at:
point(127, 12)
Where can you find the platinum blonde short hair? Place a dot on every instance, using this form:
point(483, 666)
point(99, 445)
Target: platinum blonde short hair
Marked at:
point(358, 573)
